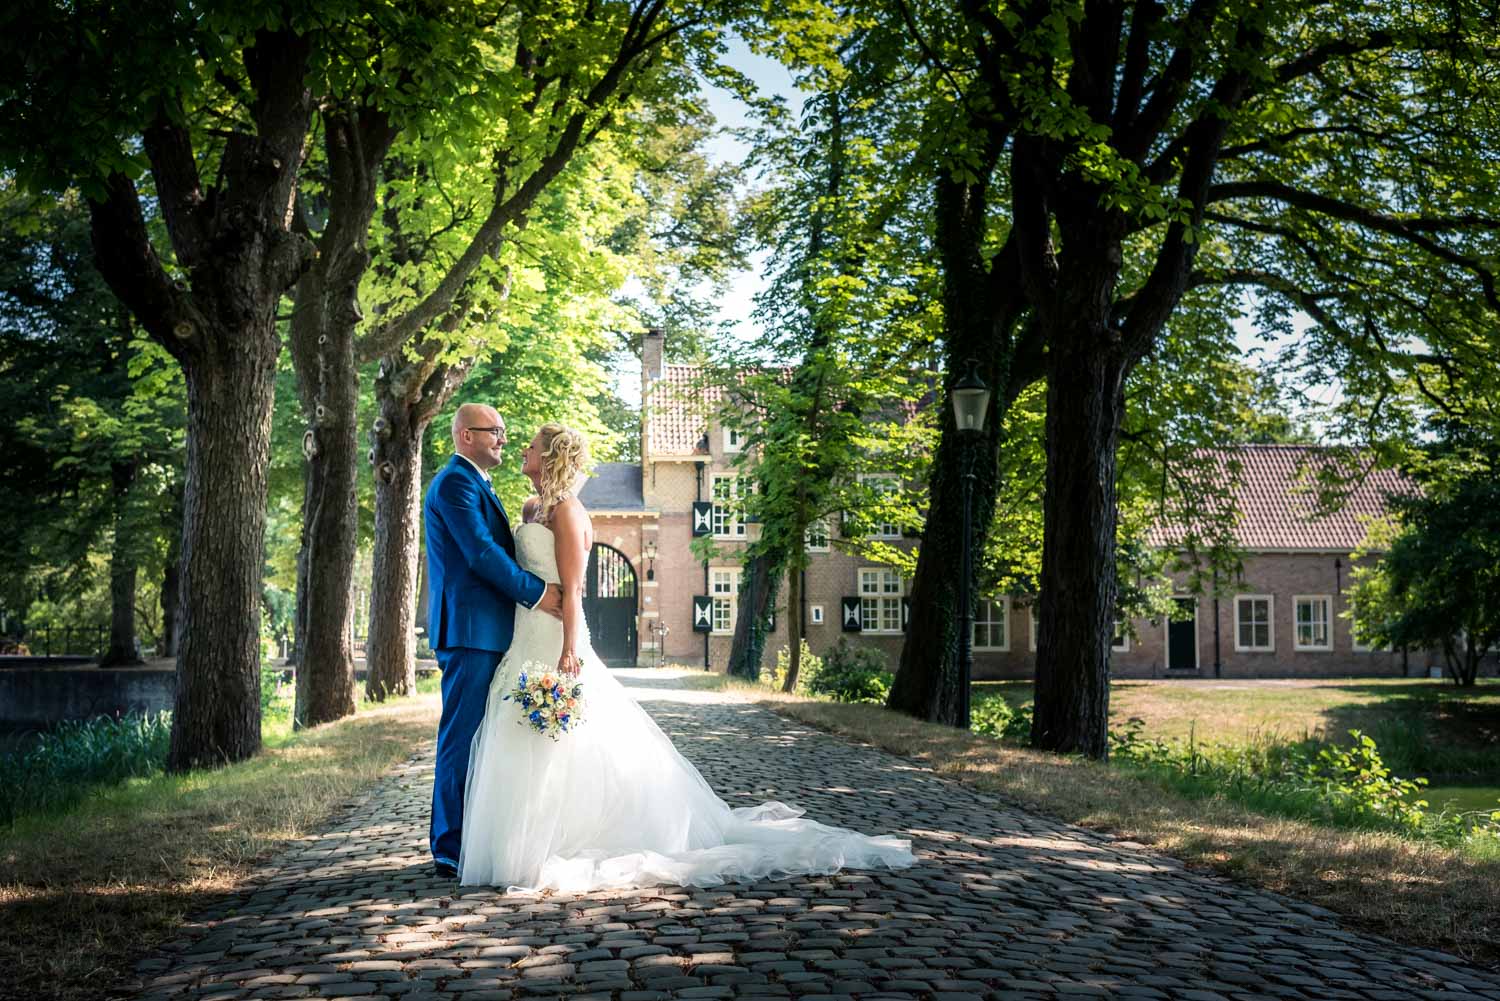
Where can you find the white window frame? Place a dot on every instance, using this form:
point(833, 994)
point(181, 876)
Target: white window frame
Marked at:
point(887, 604)
point(728, 600)
point(1270, 600)
point(1035, 625)
point(821, 524)
point(1122, 629)
point(815, 614)
point(734, 440)
point(1003, 603)
point(1297, 644)
point(884, 530)
point(726, 522)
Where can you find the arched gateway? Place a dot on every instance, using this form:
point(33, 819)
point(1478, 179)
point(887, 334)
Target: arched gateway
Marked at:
point(609, 605)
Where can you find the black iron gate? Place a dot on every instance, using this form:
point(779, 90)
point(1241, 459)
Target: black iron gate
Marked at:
point(609, 605)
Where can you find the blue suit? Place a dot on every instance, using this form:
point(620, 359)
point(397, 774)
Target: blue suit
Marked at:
point(475, 586)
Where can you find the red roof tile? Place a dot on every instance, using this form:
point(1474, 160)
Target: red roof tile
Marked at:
point(677, 408)
point(1276, 496)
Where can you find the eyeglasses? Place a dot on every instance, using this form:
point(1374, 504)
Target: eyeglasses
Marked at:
point(497, 432)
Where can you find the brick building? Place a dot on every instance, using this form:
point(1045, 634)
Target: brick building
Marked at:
point(647, 591)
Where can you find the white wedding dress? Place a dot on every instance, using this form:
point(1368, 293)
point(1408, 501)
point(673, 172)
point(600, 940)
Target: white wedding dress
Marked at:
point(612, 803)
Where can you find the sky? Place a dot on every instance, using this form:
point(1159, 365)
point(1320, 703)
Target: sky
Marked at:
point(737, 303)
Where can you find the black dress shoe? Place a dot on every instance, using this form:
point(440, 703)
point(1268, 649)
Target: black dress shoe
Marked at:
point(447, 870)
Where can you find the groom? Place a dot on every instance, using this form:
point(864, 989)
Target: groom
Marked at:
point(475, 585)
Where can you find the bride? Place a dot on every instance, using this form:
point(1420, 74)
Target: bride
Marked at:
point(611, 803)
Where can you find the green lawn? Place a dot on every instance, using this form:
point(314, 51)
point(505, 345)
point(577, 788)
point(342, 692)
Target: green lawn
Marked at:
point(1428, 727)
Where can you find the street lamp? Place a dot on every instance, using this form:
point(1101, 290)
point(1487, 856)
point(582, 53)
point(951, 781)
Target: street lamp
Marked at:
point(650, 555)
point(971, 406)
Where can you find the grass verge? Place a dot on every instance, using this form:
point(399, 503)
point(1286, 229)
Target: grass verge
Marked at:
point(1414, 893)
point(83, 893)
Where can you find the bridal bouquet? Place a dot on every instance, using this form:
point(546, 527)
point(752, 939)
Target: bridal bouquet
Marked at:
point(550, 703)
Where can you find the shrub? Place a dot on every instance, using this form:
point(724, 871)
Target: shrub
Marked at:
point(810, 668)
point(997, 718)
point(1349, 785)
point(78, 755)
point(852, 674)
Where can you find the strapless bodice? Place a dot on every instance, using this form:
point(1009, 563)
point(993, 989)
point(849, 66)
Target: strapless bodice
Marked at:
point(536, 550)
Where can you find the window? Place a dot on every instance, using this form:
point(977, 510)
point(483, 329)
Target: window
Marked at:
point(815, 613)
point(1313, 622)
point(816, 539)
point(734, 439)
point(1031, 612)
point(1253, 632)
point(1120, 642)
point(992, 624)
point(727, 489)
point(882, 483)
point(880, 601)
point(724, 590)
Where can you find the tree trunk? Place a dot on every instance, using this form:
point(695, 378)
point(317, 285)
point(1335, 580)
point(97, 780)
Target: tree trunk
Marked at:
point(170, 577)
point(216, 713)
point(981, 308)
point(756, 596)
point(328, 384)
point(299, 607)
point(794, 628)
point(124, 648)
point(928, 684)
point(169, 601)
point(1085, 408)
point(390, 649)
point(327, 365)
point(237, 256)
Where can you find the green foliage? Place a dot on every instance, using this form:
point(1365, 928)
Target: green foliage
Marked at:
point(92, 446)
point(1345, 784)
point(995, 717)
point(851, 673)
point(1431, 582)
point(811, 664)
point(78, 756)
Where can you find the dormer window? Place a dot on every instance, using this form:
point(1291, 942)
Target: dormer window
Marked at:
point(734, 439)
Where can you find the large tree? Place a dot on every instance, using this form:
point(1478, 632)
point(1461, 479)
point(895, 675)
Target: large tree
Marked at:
point(210, 108)
point(848, 333)
point(1091, 165)
point(445, 184)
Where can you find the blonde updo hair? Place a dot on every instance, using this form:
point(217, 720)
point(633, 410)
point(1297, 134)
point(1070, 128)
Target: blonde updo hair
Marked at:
point(565, 459)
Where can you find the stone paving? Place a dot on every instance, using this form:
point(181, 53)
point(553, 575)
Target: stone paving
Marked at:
point(1003, 906)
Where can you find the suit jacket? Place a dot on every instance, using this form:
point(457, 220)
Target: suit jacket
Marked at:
point(474, 580)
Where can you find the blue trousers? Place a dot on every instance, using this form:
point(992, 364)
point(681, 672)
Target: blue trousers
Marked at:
point(466, 685)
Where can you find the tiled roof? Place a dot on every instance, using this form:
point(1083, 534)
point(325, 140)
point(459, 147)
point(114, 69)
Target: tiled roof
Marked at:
point(615, 486)
point(1276, 496)
point(677, 407)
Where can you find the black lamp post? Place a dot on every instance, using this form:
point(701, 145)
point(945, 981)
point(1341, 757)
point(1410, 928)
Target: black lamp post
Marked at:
point(971, 406)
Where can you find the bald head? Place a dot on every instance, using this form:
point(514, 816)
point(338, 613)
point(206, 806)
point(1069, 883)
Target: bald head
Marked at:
point(481, 447)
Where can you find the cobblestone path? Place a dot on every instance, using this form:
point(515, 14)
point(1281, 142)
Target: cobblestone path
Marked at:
point(1003, 906)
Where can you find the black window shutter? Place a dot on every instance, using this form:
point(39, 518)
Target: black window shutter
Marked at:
point(703, 613)
point(703, 518)
point(851, 620)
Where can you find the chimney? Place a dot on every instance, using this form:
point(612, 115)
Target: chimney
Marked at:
point(653, 346)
